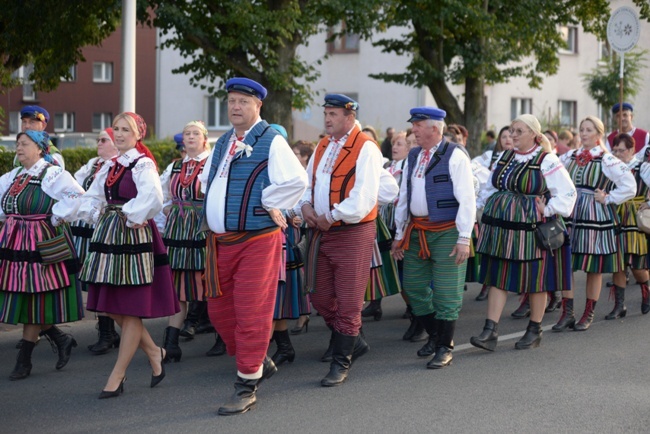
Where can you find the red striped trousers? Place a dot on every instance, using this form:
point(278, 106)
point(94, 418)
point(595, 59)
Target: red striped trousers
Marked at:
point(342, 273)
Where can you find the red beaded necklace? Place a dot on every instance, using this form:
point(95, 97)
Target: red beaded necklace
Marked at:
point(530, 151)
point(19, 184)
point(583, 158)
point(194, 170)
point(114, 174)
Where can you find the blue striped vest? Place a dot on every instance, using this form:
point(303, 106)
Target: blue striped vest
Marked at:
point(441, 202)
point(247, 177)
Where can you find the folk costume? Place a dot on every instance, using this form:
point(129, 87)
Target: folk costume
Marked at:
point(641, 137)
point(436, 211)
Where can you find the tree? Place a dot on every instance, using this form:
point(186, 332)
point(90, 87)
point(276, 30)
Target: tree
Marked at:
point(603, 82)
point(50, 35)
point(257, 39)
point(479, 42)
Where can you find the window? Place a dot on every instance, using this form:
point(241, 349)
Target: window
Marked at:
point(63, 122)
point(22, 74)
point(72, 74)
point(102, 72)
point(520, 106)
point(344, 43)
point(603, 51)
point(568, 111)
point(102, 121)
point(14, 122)
point(570, 38)
point(217, 113)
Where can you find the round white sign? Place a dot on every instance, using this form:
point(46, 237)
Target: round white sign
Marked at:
point(623, 29)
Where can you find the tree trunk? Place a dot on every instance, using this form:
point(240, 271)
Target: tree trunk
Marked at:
point(474, 113)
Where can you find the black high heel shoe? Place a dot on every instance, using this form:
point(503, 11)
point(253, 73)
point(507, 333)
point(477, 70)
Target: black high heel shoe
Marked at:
point(298, 329)
point(155, 379)
point(115, 393)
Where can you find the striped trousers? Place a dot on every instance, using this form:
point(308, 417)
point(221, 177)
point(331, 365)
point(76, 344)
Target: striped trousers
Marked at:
point(342, 273)
point(446, 297)
point(243, 315)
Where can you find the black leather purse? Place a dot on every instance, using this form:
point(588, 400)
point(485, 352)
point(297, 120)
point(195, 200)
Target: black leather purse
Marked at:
point(550, 235)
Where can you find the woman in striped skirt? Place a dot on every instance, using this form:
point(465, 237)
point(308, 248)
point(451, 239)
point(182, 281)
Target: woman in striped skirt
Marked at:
point(528, 186)
point(82, 232)
point(127, 267)
point(185, 244)
point(602, 182)
point(634, 243)
point(38, 266)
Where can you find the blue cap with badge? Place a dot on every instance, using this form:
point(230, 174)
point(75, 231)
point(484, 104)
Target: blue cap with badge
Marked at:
point(341, 101)
point(626, 106)
point(424, 113)
point(246, 86)
point(178, 138)
point(35, 112)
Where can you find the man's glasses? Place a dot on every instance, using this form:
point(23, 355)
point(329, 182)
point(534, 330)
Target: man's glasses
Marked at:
point(103, 140)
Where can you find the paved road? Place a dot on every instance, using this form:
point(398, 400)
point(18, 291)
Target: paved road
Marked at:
point(596, 381)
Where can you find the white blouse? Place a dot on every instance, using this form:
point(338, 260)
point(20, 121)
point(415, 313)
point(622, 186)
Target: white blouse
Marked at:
point(558, 182)
point(57, 183)
point(146, 204)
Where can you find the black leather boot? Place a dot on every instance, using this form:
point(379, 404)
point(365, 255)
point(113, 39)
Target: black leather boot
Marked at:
point(483, 295)
point(218, 349)
point(327, 356)
point(487, 340)
point(619, 310)
point(567, 319)
point(341, 360)
point(429, 323)
point(242, 400)
point(203, 324)
point(415, 332)
point(523, 311)
point(531, 338)
point(554, 301)
point(587, 317)
point(23, 362)
point(174, 352)
point(361, 347)
point(645, 297)
point(268, 369)
point(108, 337)
point(191, 320)
point(373, 309)
point(443, 356)
point(62, 343)
point(285, 351)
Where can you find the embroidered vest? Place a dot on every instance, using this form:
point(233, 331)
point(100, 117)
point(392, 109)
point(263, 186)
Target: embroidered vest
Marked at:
point(441, 202)
point(639, 139)
point(247, 178)
point(525, 177)
point(344, 173)
point(31, 199)
point(180, 193)
point(590, 176)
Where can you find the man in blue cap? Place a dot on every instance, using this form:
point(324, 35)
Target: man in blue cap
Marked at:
point(434, 218)
point(33, 117)
point(341, 203)
point(180, 146)
point(641, 137)
point(253, 174)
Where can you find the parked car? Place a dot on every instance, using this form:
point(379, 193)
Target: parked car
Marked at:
point(7, 143)
point(74, 140)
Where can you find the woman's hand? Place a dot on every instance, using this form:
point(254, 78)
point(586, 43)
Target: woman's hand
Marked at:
point(540, 203)
point(140, 226)
point(600, 196)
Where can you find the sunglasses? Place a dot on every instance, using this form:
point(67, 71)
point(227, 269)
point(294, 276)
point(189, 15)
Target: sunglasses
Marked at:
point(103, 140)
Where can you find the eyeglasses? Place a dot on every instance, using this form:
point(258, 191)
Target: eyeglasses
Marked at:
point(103, 140)
point(619, 150)
point(517, 131)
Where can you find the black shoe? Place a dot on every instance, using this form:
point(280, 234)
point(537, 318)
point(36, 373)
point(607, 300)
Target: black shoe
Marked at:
point(23, 362)
point(285, 351)
point(531, 338)
point(429, 324)
point(242, 400)
point(483, 295)
point(268, 369)
point(108, 337)
point(441, 359)
point(61, 343)
point(218, 349)
point(113, 394)
point(587, 317)
point(619, 310)
point(194, 311)
point(341, 360)
point(554, 301)
point(327, 356)
point(296, 330)
point(567, 319)
point(189, 330)
point(205, 327)
point(173, 352)
point(443, 356)
point(523, 310)
point(156, 379)
point(203, 324)
point(488, 338)
point(373, 309)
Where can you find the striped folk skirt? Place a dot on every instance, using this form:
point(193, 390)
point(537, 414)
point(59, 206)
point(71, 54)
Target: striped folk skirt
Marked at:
point(82, 232)
point(30, 291)
point(384, 276)
point(291, 300)
point(595, 244)
point(634, 243)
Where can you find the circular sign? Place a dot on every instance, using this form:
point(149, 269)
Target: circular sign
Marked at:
point(623, 29)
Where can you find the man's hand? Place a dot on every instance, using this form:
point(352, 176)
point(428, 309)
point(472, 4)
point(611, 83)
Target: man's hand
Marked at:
point(309, 215)
point(278, 218)
point(296, 222)
point(322, 223)
point(396, 250)
point(461, 251)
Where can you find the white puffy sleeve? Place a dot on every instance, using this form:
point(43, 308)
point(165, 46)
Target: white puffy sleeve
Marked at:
point(149, 200)
point(288, 177)
point(620, 174)
point(388, 188)
point(164, 184)
point(83, 172)
point(94, 200)
point(61, 186)
point(563, 192)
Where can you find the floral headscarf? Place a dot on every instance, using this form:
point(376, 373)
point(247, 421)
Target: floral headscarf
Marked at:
point(42, 139)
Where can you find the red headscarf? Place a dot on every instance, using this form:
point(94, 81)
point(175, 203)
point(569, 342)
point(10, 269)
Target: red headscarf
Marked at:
point(142, 129)
point(110, 133)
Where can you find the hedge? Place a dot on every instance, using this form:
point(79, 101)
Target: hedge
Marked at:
point(163, 150)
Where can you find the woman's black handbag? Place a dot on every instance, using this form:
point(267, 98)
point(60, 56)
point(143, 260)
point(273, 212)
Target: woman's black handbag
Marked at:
point(550, 235)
